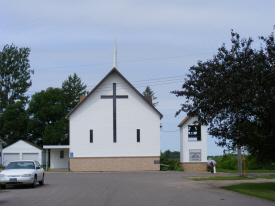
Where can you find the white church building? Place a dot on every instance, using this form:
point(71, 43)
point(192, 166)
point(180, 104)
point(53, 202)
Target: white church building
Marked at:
point(114, 128)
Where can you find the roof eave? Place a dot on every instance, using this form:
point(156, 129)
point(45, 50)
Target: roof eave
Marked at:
point(184, 120)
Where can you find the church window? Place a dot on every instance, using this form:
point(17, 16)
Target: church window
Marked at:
point(61, 154)
point(138, 135)
point(194, 133)
point(91, 136)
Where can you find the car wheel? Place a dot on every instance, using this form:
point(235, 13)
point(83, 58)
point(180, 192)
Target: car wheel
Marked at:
point(33, 185)
point(3, 186)
point(42, 181)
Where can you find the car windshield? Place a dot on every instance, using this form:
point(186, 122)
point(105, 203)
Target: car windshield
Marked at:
point(20, 165)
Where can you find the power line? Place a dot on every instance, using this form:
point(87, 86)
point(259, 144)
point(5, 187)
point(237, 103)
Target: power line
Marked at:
point(151, 80)
point(126, 86)
point(171, 131)
point(122, 62)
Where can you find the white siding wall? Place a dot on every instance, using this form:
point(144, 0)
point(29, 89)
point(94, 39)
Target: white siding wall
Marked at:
point(187, 145)
point(56, 161)
point(97, 114)
point(181, 144)
point(22, 147)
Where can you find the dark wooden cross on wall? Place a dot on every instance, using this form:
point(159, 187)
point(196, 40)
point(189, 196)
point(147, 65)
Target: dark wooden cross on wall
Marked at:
point(114, 97)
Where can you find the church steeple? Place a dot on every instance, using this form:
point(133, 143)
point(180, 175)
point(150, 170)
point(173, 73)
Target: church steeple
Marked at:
point(115, 57)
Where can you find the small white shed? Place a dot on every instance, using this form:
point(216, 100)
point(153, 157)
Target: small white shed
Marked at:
point(23, 150)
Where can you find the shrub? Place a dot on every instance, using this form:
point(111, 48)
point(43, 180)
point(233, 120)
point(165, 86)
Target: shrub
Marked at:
point(169, 164)
point(178, 168)
point(254, 163)
point(251, 163)
point(230, 161)
point(227, 162)
point(163, 168)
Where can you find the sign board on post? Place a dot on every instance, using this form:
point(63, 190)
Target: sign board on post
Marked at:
point(71, 154)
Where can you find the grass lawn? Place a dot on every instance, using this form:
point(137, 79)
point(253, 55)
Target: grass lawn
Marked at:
point(223, 178)
point(262, 190)
point(266, 176)
point(247, 171)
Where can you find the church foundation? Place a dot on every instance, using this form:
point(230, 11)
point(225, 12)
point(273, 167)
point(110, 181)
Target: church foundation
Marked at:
point(194, 166)
point(114, 164)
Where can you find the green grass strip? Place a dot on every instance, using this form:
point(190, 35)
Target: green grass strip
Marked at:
point(223, 178)
point(262, 190)
point(227, 171)
point(266, 176)
point(247, 171)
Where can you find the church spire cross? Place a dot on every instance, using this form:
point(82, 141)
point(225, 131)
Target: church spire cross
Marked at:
point(114, 97)
point(115, 56)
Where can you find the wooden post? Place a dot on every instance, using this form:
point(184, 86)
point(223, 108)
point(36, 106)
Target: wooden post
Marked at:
point(240, 161)
point(46, 159)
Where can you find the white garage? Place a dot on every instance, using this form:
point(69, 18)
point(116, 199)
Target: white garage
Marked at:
point(23, 150)
point(30, 156)
point(8, 157)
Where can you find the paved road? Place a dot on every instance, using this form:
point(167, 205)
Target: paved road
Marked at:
point(126, 188)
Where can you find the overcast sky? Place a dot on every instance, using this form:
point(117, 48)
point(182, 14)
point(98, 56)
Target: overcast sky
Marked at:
point(157, 42)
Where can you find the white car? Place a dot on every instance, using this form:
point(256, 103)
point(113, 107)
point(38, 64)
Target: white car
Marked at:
point(22, 172)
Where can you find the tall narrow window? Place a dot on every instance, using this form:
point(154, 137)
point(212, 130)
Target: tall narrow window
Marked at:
point(61, 153)
point(91, 136)
point(138, 135)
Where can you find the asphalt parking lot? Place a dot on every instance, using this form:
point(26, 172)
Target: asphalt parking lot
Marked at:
point(127, 188)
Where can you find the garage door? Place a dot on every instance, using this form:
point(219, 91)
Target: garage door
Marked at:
point(8, 157)
point(30, 156)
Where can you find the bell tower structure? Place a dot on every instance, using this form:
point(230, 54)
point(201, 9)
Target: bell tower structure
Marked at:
point(193, 145)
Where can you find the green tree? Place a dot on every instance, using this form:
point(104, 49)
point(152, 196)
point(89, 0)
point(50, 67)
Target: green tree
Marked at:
point(235, 94)
point(73, 89)
point(15, 75)
point(47, 110)
point(148, 92)
point(13, 123)
point(57, 133)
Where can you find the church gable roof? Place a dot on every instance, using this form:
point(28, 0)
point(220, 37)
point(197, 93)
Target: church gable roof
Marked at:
point(114, 70)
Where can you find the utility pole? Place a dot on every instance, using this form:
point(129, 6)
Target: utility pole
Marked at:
point(240, 170)
point(238, 147)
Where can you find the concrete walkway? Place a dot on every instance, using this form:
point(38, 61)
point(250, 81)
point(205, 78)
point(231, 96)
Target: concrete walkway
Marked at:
point(57, 170)
point(220, 183)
